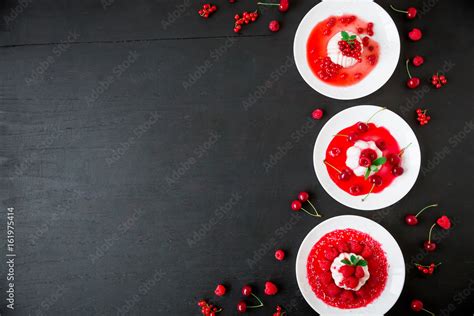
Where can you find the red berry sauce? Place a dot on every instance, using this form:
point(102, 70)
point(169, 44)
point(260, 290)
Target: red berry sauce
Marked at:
point(321, 64)
point(336, 156)
point(320, 279)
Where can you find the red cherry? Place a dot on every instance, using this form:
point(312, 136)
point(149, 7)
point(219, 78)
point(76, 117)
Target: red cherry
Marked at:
point(284, 5)
point(303, 196)
point(242, 307)
point(393, 159)
point(317, 114)
point(411, 220)
point(364, 162)
point(381, 144)
point(355, 189)
point(220, 290)
point(345, 174)
point(397, 171)
point(353, 137)
point(415, 34)
point(411, 13)
point(416, 305)
point(247, 290)
point(296, 205)
point(369, 153)
point(362, 127)
point(417, 61)
point(429, 246)
point(414, 82)
point(375, 179)
point(274, 26)
point(279, 255)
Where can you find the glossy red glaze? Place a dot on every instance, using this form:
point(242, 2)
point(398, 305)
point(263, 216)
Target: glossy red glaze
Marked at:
point(323, 285)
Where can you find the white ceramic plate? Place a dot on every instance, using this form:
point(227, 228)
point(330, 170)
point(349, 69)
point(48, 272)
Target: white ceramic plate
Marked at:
point(396, 268)
point(386, 35)
point(400, 130)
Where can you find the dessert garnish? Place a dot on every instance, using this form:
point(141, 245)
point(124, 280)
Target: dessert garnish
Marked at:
point(412, 82)
point(438, 80)
point(410, 12)
point(208, 309)
point(422, 118)
point(245, 19)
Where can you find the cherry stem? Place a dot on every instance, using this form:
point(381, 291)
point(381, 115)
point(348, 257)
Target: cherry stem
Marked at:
point(371, 189)
point(428, 311)
point(327, 163)
point(431, 229)
point(408, 70)
point(260, 304)
point(343, 135)
point(397, 10)
point(426, 207)
point(315, 211)
point(384, 108)
point(403, 150)
point(266, 3)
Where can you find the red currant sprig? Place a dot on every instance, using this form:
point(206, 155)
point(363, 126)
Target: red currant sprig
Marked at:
point(427, 270)
point(208, 309)
point(246, 18)
point(438, 80)
point(422, 117)
point(207, 9)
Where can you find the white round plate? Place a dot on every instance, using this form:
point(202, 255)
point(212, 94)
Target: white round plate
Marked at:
point(396, 267)
point(399, 129)
point(386, 34)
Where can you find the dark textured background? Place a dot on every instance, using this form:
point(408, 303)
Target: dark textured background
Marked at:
point(103, 226)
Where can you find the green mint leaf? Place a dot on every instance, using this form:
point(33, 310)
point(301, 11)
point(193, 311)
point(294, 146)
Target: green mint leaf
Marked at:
point(362, 263)
point(344, 35)
point(379, 161)
point(345, 261)
point(367, 174)
point(374, 168)
point(353, 259)
point(353, 37)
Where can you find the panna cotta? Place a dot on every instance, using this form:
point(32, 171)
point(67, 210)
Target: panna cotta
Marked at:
point(341, 50)
point(347, 269)
point(354, 153)
point(339, 277)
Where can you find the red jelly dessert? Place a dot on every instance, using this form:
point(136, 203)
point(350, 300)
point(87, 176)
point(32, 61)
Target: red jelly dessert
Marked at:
point(347, 269)
point(363, 158)
point(341, 51)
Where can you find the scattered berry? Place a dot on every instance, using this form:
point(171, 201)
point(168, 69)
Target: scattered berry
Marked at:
point(347, 270)
point(362, 127)
point(246, 290)
point(207, 10)
point(415, 34)
point(429, 246)
point(246, 18)
point(422, 118)
point(279, 255)
point(328, 68)
point(208, 309)
point(283, 5)
point(302, 198)
point(279, 311)
point(270, 288)
point(410, 12)
point(220, 290)
point(438, 80)
point(359, 272)
point(412, 82)
point(242, 307)
point(417, 306)
point(417, 61)
point(412, 220)
point(427, 270)
point(444, 222)
point(317, 114)
point(274, 26)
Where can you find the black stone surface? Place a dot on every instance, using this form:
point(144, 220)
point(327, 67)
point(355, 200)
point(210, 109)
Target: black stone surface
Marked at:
point(126, 127)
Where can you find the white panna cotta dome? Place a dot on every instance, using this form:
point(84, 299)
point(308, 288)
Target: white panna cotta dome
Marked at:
point(335, 53)
point(338, 277)
point(353, 155)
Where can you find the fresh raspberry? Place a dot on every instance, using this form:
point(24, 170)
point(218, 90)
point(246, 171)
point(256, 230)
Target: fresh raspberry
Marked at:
point(324, 265)
point(220, 290)
point(350, 282)
point(317, 114)
point(359, 272)
point(347, 271)
point(367, 252)
point(415, 34)
point(362, 292)
point(333, 290)
point(274, 26)
point(270, 288)
point(355, 247)
point(347, 296)
point(342, 246)
point(325, 278)
point(330, 253)
point(417, 61)
point(279, 255)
